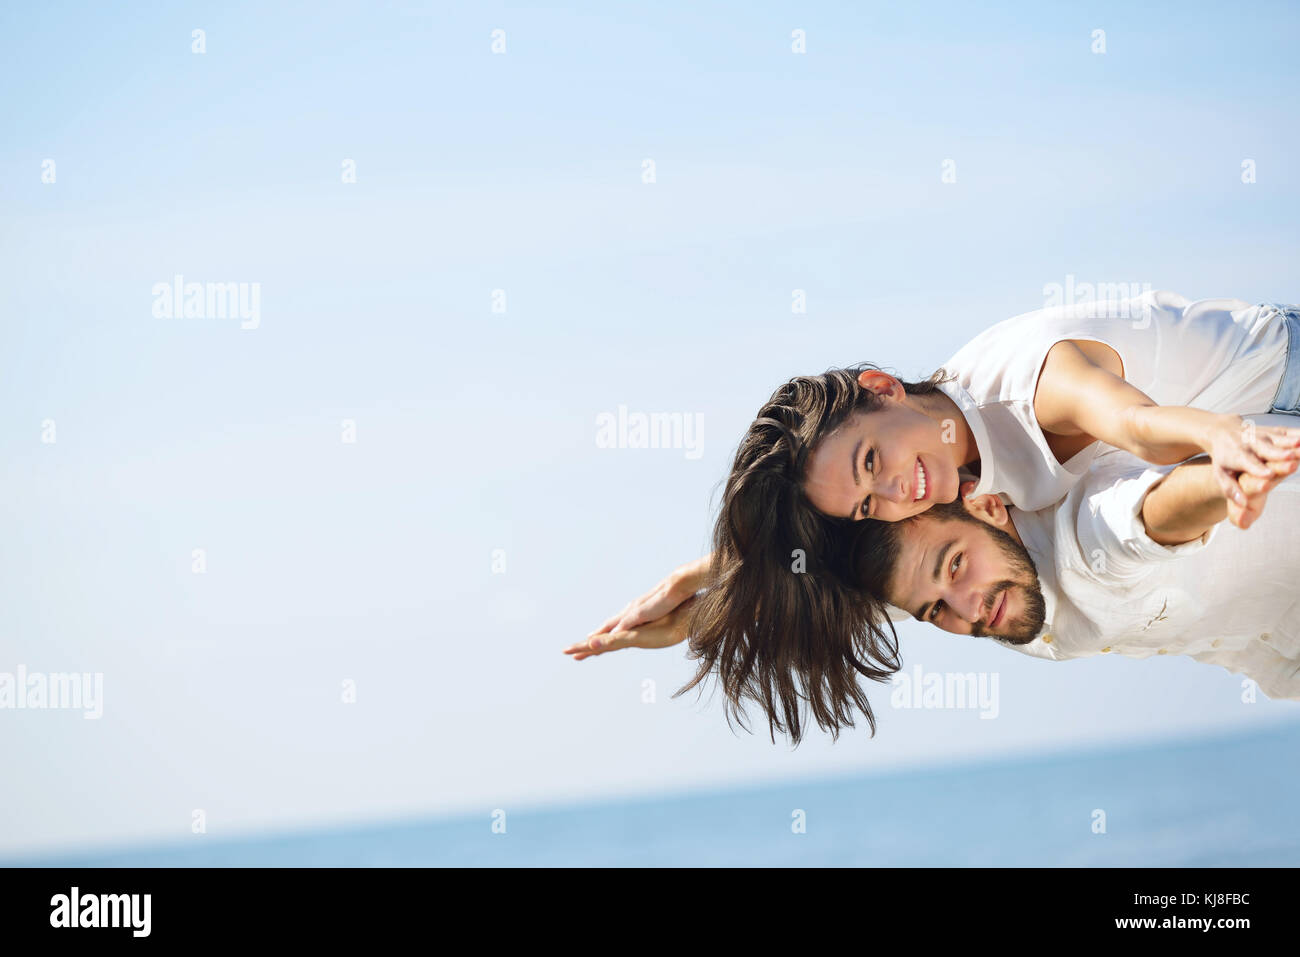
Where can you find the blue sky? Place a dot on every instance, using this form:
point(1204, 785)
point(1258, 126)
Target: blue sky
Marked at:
point(476, 430)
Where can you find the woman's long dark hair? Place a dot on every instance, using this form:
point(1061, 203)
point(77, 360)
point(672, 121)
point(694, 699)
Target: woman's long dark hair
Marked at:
point(782, 621)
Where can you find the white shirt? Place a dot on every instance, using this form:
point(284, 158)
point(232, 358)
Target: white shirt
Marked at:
point(1231, 598)
point(1222, 355)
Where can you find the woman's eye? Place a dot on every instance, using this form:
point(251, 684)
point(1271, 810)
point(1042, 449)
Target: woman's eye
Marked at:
point(934, 609)
point(954, 565)
point(869, 465)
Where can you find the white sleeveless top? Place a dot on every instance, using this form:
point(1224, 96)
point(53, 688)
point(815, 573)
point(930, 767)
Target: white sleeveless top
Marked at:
point(1222, 355)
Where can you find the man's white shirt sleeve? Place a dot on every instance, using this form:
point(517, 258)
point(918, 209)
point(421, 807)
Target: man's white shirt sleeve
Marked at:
point(1113, 539)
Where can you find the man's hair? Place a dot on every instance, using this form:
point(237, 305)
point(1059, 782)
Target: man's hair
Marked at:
point(781, 623)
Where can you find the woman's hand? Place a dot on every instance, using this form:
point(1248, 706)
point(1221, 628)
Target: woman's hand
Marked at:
point(1239, 448)
point(660, 633)
point(682, 583)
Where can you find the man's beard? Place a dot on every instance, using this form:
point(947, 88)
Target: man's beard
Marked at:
point(1022, 570)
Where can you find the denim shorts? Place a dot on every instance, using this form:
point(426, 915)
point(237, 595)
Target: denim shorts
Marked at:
point(1287, 398)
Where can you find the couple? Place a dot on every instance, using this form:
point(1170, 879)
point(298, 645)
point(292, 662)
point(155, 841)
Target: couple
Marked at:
point(841, 509)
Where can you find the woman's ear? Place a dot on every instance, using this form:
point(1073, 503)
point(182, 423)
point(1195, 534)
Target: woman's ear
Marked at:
point(881, 383)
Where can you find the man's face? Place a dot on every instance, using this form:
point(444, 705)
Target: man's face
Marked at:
point(969, 578)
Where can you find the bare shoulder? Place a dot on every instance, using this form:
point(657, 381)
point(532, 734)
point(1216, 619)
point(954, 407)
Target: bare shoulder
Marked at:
point(1077, 353)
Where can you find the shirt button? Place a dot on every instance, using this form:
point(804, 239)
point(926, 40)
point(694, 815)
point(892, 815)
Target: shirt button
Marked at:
point(1163, 651)
point(1265, 637)
point(1216, 642)
point(1106, 649)
point(1047, 639)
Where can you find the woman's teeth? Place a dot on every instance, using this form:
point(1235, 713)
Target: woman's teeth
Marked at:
point(918, 485)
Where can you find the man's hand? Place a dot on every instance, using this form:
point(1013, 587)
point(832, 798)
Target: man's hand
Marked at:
point(1256, 491)
point(660, 633)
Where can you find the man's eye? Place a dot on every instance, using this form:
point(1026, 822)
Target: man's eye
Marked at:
point(871, 459)
point(934, 609)
point(954, 565)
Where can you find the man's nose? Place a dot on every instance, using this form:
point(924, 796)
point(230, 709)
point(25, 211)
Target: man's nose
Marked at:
point(970, 605)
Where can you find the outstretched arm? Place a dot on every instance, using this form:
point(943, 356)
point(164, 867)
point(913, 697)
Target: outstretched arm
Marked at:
point(679, 585)
point(1081, 391)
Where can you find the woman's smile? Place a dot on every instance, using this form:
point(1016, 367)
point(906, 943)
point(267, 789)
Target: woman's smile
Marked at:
point(919, 483)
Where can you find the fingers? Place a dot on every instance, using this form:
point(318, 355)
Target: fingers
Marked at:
point(1255, 485)
point(1274, 447)
point(1243, 518)
point(597, 644)
point(1247, 491)
point(1282, 435)
point(1228, 485)
point(611, 623)
point(1257, 490)
point(652, 607)
point(1253, 463)
point(631, 620)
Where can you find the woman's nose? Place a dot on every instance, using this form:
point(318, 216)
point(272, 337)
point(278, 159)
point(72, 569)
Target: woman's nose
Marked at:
point(895, 491)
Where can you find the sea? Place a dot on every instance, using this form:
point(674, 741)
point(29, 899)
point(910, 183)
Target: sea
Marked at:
point(1223, 801)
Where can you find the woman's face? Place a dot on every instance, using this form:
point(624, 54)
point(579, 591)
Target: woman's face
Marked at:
point(888, 464)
